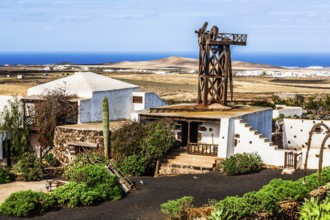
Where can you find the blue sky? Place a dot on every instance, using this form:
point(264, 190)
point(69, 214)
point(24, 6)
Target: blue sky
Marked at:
point(300, 26)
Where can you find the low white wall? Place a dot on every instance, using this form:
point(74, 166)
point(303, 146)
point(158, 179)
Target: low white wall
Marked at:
point(261, 121)
point(296, 133)
point(287, 111)
point(249, 142)
point(313, 159)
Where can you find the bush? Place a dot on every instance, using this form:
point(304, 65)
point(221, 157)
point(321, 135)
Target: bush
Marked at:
point(83, 160)
point(133, 165)
point(26, 203)
point(93, 183)
point(267, 199)
point(29, 167)
point(242, 164)
point(52, 160)
point(5, 175)
point(177, 209)
point(313, 209)
point(144, 144)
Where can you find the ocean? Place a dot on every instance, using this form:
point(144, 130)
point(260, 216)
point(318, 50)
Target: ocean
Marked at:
point(276, 59)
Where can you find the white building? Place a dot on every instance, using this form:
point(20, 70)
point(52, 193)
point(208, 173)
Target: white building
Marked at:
point(91, 88)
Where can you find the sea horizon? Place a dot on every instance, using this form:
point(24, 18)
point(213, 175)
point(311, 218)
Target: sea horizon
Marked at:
point(293, 60)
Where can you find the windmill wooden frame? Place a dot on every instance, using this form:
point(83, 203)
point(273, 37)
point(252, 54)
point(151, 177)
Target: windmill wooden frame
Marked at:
point(215, 76)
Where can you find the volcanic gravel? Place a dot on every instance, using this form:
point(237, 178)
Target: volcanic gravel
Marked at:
point(144, 202)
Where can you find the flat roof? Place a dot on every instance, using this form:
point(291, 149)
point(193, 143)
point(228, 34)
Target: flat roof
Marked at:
point(97, 126)
point(190, 111)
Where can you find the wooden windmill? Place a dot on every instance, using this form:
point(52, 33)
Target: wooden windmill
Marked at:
point(215, 71)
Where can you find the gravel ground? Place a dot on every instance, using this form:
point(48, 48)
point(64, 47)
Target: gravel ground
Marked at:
point(145, 201)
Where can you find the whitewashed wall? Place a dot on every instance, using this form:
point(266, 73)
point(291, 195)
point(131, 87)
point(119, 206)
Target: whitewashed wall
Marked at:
point(211, 135)
point(287, 111)
point(153, 101)
point(296, 133)
point(120, 105)
point(261, 121)
point(149, 100)
point(250, 142)
point(313, 159)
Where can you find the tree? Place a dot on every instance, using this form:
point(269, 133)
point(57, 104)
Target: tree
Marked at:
point(12, 120)
point(56, 108)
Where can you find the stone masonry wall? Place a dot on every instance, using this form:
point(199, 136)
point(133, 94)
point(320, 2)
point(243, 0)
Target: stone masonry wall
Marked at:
point(65, 135)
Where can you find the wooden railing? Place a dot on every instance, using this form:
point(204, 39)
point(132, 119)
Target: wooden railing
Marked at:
point(292, 160)
point(235, 39)
point(203, 149)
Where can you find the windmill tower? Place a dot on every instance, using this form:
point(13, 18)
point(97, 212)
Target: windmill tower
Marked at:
point(215, 76)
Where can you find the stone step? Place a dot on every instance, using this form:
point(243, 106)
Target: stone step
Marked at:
point(288, 170)
point(186, 155)
point(191, 163)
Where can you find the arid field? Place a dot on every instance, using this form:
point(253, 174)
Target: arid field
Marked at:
point(173, 87)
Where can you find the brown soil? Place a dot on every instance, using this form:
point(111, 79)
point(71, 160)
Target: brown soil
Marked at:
point(145, 201)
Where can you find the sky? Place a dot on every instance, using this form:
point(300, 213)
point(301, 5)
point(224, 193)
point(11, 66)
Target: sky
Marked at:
point(112, 26)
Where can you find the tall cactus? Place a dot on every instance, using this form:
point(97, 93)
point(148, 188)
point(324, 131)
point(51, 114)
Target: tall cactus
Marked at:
point(105, 121)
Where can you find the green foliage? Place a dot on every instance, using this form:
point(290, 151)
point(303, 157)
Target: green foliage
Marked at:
point(82, 160)
point(5, 175)
point(220, 214)
point(92, 183)
point(142, 143)
point(11, 119)
point(313, 209)
point(133, 165)
point(262, 104)
point(105, 122)
point(126, 141)
point(29, 167)
point(242, 164)
point(177, 209)
point(51, 160)
point(268, 198)
point(26, 203)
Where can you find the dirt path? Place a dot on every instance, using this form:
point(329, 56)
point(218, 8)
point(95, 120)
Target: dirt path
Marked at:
point(144, 203)
point(9, 188)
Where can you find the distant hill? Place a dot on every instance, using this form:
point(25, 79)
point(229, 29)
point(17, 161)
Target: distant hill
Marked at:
point(182, 62)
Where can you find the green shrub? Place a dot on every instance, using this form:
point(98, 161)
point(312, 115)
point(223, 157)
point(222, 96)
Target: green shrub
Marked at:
point(242, 164)
point(29, 167)
point(83, 160)
point(267, 199)
point(26, 203)
point(133, 165)
point(75, 194)
point(177, 209)
point(313, 209)
point(92, 183)
point(136, 141)
point(52, 160)
point(5, 175)
point(220, 214)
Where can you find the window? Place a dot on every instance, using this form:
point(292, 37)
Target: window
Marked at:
point(137, 99)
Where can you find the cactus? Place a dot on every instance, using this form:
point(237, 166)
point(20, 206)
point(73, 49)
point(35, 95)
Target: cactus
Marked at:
point(105, 121)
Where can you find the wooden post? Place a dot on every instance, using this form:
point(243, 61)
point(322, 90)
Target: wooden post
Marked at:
point(188, 137)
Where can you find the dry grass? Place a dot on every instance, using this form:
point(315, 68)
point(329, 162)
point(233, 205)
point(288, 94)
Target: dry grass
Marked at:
point(183, 87)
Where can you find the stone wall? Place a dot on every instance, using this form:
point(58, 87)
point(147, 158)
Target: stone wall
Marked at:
point(63, 136)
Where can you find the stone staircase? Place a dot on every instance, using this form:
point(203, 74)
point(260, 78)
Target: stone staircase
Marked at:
point(259, 136)
point(178, 161)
